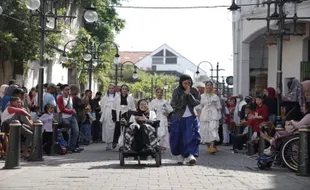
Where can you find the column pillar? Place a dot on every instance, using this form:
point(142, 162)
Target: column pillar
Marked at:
point(244, 70)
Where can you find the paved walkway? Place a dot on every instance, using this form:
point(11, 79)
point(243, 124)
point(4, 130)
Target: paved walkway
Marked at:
point(96, 168)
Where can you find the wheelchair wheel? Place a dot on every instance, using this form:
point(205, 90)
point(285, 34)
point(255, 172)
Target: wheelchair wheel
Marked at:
point(121, 159)
point(289, 153)
point(158, 159)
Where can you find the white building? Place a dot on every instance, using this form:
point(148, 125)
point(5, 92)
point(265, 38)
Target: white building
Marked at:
point(166, 60)
point(255, 55)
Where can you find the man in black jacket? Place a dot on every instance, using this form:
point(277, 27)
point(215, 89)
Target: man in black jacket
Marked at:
point(95, 106)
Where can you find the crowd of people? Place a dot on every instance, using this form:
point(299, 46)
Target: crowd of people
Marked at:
point(188, 120)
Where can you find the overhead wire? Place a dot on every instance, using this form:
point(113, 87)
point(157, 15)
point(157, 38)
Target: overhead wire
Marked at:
point(178, 7)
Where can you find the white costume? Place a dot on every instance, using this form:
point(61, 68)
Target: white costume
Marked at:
point(121, 109)
point(106, 118)
point(210, 106)
point(162, 109)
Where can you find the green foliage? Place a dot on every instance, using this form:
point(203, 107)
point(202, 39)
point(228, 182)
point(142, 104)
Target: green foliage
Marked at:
point(21, 40)
point(100, 34)
point(147, 82)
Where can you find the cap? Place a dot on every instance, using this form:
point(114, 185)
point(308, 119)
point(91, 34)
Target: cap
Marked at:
point(51, 85)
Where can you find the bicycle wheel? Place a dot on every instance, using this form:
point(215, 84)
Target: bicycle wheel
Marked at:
point(289, 153)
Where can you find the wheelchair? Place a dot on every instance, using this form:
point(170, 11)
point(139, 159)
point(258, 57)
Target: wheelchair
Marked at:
point(286, 154)
point(154, 152)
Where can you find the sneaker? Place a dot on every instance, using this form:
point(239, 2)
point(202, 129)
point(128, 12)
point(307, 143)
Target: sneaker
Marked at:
point(268, 151)
point(191, 160)
point(180, 159)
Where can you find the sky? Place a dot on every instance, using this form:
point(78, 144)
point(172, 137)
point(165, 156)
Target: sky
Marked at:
point(197, 34)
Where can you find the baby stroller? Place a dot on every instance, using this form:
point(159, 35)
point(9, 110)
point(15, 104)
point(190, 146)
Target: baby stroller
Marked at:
point(135, 149)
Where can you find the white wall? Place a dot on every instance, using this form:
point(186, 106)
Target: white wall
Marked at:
point(293, 50)
point(292, 56)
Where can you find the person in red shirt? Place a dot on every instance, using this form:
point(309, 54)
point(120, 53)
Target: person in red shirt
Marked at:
point(15, 111)
point(260, 114)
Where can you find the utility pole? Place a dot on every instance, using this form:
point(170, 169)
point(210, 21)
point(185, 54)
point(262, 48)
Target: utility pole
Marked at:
point(217, 76)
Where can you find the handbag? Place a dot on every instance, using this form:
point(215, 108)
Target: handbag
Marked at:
point(63, 124)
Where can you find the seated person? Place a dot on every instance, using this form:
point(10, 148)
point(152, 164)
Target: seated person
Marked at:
point(62, 142)
point(240, 139)
point(290, 130)
point(15, 111)
point(140, 135)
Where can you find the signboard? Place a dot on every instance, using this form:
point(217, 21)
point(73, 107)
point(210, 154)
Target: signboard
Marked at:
point(230, 80)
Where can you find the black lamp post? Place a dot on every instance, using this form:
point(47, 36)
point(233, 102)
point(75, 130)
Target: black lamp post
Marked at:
point(135, 73)
point(217, 73)
point(197, 72)
point(91, 55)
point(280, 31)
point(166, 86)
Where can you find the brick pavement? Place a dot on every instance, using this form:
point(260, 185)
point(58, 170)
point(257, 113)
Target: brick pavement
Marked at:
point(96, 168)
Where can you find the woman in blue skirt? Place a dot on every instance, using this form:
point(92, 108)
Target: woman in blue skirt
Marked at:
point(184, 131)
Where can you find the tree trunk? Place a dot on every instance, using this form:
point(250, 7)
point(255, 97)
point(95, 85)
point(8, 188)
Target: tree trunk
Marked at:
point(6, 71)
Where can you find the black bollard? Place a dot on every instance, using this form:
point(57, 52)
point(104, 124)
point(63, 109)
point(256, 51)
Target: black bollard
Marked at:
point(261, 145)
point(303, 168)
point(55, 143)
point(12, 160)
point(37, 146)
point(238, 129)
point(250, 145)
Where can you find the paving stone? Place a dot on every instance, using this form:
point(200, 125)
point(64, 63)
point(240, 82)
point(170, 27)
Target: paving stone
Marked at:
point(96, 168)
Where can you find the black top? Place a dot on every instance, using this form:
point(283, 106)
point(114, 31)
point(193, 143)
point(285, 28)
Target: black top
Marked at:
point(271, 105)
point(180, 100)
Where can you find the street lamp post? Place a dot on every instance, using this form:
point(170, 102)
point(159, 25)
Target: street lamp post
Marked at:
point(48, 19)
point(276, 27)
point(120, 67)
point(92, 52)
point(166, 86)
point(135, 73)
point(197, 72)
point(217, 72)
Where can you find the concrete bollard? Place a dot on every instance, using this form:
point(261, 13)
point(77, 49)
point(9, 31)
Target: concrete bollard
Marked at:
point(250, 145)
point(55, 144)
point(12, 160)
point(37, 146)
point(303, 168)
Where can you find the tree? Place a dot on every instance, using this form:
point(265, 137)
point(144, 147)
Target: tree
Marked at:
point(20, 41)
point(101, 32)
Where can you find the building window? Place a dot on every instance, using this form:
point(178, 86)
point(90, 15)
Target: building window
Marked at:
point(170, 58)
point(157, 60)
point(159, 54)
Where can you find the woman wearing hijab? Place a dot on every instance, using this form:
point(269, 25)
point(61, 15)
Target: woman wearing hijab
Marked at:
point(122, 104)
point(270, 100)
point(184, 133)
point(210, 113)
point(294, 100)
point(106, 116)
point(141, 134)
point(162, 110)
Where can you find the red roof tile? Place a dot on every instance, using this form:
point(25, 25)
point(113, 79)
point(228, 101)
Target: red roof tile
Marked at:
point(133, 56)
